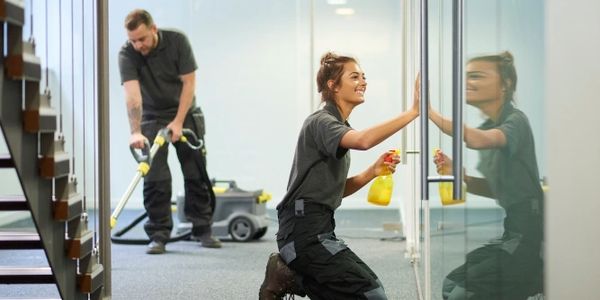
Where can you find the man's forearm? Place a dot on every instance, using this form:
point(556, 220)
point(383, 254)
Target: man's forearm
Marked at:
point(133, 100)
point(185, 103)
point(134, 112)
point(186, 98)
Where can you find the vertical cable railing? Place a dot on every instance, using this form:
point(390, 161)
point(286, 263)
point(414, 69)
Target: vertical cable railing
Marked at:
point(94, 33)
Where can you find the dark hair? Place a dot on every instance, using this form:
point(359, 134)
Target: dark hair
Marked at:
point(332, 68)
point(138, 17)
point(505, 64)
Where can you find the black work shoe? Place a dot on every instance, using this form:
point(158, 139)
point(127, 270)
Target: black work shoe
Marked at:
point(207, 240)
point(279, 279)
point(156, 247)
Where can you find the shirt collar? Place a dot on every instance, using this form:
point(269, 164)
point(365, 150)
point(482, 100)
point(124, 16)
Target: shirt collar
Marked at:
point(161, 44)
point(332, 109)
point(507, 109)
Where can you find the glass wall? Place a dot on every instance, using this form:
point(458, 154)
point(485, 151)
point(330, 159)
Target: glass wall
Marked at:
point(490, 245)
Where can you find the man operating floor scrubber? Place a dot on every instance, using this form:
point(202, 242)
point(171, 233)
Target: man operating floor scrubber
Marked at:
point(157, 68)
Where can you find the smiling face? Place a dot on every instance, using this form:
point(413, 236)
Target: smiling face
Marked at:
point(484, 83)
point(352, 85)
point(143, 39)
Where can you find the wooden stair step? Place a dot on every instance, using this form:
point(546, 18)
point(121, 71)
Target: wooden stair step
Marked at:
point(6, 161)
point(55, 162)
point(13, 202)
point(81, 246)
point(38, 115)
point(68, 209)
point(93, 280)
point(69, 203)
point(12, 12)
point(56, 166)
point(29, 275)
point(42, 120)
point(20, 240)
point(23, 65)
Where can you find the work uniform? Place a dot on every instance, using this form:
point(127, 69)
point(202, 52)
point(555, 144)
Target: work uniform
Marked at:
point(159, 74)
point(327, 268)
point(509, 267)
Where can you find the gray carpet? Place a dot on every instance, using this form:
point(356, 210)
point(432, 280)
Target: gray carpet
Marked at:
point(188, 271)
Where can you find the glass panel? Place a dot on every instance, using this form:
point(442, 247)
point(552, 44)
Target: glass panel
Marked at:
point(489, 247)
point(447, 220)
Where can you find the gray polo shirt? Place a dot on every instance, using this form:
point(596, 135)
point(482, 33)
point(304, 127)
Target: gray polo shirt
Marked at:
point(512, 171)
point(158, 72)
point(320, 166)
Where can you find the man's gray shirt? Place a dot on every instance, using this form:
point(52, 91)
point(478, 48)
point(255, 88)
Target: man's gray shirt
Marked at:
point(159, 72)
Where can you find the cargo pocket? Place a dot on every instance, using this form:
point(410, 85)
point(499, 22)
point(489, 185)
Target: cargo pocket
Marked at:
point(287, 249)
point(288, 252)
point(286, 227)
point(331, 243)
point(198, 118)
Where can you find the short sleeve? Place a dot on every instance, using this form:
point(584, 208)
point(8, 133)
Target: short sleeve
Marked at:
point(328, 132)
point(186, 61)
point(127, 66)
point(514, 128)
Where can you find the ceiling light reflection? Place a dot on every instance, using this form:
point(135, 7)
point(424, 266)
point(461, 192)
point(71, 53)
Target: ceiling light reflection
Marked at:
point(344, 11)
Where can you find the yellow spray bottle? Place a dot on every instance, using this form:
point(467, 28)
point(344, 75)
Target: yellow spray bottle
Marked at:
point(380, 192)
point(446, 189)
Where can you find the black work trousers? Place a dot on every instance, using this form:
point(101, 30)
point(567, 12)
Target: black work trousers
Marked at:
point(327, 268)
point(510, 268)
point(199, 197)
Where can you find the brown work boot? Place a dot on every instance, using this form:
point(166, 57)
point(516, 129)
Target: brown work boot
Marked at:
point(203, 234)
point(156, 247)
point(279, 279)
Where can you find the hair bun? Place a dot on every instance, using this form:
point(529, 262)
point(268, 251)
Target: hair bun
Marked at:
point(328, 58)
point(507, 57)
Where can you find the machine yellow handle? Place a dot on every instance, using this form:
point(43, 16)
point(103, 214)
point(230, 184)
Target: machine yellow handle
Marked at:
point(144, 168)
point(264, 197)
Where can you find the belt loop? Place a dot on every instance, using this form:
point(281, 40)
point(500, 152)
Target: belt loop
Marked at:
point(299, 208)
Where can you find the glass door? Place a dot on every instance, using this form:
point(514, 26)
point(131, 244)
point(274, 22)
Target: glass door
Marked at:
point(490, 245)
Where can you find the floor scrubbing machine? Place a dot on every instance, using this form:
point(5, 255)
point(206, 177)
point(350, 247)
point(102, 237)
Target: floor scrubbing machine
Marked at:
point(239, 214)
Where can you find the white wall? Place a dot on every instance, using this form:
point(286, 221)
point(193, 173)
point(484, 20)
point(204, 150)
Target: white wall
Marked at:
point(573, 77)
point(254, 82)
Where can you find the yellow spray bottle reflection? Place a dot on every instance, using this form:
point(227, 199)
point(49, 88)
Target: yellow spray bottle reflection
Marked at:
point(445, 189)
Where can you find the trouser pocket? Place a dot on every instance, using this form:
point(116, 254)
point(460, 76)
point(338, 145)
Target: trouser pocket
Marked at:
point(198, 119)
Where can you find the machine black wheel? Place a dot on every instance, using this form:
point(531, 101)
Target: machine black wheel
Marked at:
point(260, 233)
point(241, 229)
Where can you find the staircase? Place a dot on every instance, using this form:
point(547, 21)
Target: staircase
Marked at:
point(37, 154)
